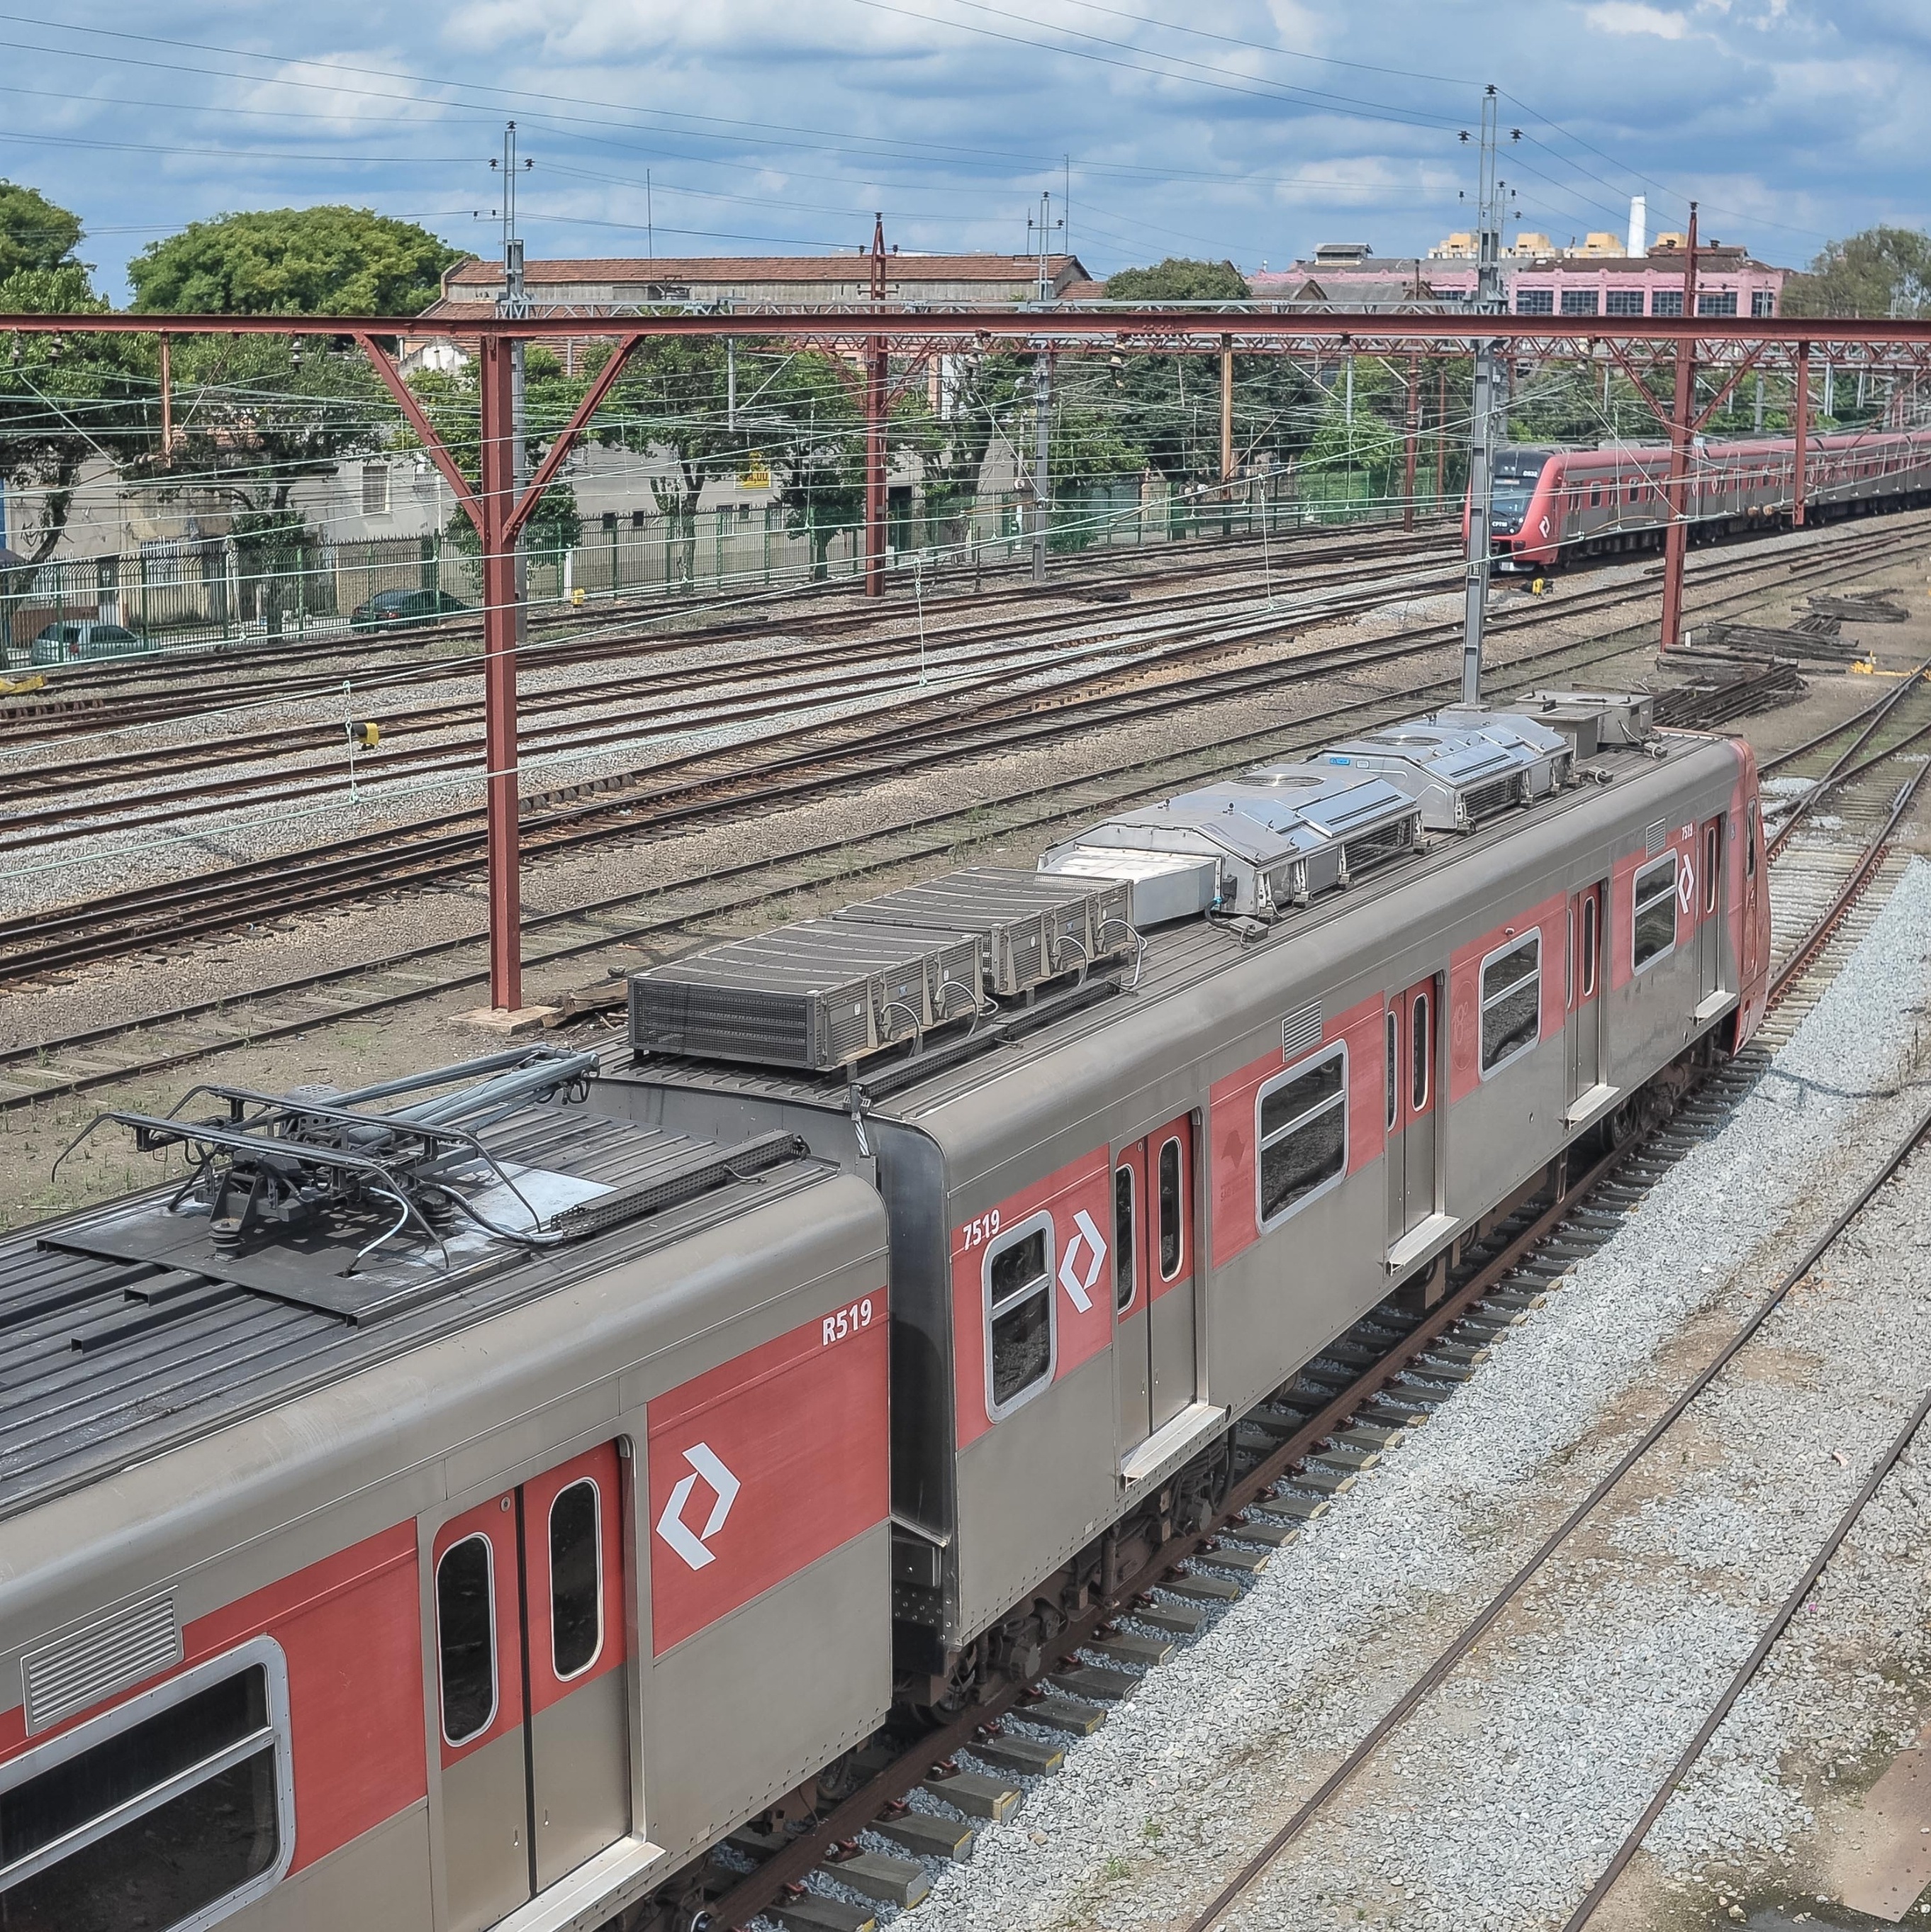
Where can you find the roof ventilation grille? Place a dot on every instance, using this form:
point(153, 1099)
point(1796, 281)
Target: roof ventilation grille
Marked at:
point(1301, 1029)
point(80, 1669)
point(815, 995)
point(1464, 763)
point(1275, 836)
point(1031, 927)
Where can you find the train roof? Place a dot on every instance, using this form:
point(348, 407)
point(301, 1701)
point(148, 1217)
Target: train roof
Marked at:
point(129, 1329)
point(1181, 958)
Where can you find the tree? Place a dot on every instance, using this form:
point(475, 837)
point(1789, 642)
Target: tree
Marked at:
point(257, 413)
point(671, 400)
point(288, 261)
point(34, 233)
point(66, 401)
point(1877, 272)
point(1178, 279)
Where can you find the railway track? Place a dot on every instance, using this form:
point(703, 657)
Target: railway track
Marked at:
point(781, 766)
point(1355, 1402)
point(97, 700)
point(648, 923)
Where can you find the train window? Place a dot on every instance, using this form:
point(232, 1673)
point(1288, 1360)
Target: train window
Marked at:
point(466, 1638)
point(1419, 1043)
point(174, 1809)
point(1019, 1314)
point(1595, 495)
point(1713, 848)
point(1592, 941)
point(1653, 929)
point(1394, 1068)
point(1511, 1002)
point(1172, 1207)
point(1302, 1116)
point(1751, 842)
point(575, 1580)
point(1123, 1237)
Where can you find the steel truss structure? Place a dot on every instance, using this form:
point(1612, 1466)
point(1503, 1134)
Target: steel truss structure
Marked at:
point(874, 337)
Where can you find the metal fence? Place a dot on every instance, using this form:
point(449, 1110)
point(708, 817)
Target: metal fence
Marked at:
point(192, 595)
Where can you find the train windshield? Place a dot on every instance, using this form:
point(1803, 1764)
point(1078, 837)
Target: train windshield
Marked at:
point(1507, 506)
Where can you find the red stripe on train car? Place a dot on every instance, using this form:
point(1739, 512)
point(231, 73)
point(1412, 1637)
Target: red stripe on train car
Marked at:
point(1231, 1129)
point(764, 1464)
point(350, 1628)
point(1078, 1198)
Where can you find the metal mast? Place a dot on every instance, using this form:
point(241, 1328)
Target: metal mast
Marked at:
point(1482, 420)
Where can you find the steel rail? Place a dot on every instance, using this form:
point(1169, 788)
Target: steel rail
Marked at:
point(564, 640)
point(1839, 769)
point(425, 851)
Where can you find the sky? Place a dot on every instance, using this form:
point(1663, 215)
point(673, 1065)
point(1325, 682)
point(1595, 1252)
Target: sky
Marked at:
point(1250, 130)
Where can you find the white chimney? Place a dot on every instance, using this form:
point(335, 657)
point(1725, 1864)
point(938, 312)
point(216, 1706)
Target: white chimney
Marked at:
point(1638, 224)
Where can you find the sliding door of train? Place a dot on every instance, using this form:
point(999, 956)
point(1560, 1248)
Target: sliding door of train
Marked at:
point(1152, 1260)
point(1706, 907)
point(531, 1702)
point(1411, 1048)
point(1586, 956)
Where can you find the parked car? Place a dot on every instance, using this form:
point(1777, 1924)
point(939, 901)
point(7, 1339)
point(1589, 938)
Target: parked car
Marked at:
point(402, 609)
point(74, 638)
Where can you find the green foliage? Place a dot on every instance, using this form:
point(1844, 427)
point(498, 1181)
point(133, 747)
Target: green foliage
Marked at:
point(450, 400)
point(288, 261)
point(1877, 272)
point(1178, 279)
point(66, 401)
point(35, 233)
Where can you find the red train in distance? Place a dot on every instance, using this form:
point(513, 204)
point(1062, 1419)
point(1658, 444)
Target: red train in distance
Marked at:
point(1551, 505)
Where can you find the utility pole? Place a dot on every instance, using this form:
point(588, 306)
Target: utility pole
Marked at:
point(504, 444)
point(874, 427)
point(1676, 539)
point(1411, 432)
point(1482, 424)
point(1042, 427)
point(1226, 410)
point(1801, 430)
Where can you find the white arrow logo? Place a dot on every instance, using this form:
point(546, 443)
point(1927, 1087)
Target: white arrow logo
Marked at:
point(1686, 883)
point(1078, 1286)
point(671, 1525)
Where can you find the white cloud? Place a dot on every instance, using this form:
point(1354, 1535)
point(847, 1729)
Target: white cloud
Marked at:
point(1632, 16)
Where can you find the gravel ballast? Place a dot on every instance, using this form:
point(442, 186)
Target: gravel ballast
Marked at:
point(1498, 1803)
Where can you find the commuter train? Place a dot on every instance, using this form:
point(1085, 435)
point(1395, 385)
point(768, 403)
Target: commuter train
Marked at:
point(1553, 505)
point(463, 1502)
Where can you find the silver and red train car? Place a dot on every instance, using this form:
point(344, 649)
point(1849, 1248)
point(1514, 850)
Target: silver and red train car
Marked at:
point(1552, 505)
point(464, 1506)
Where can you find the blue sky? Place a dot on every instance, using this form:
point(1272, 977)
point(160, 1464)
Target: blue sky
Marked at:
point(1251, 129)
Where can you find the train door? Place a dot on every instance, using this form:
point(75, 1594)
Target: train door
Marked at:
point(1157, 1318)
point(1585, 1025)
point(531, 1702)
point(1411, 1114)
point(1132, 1355)
point(1752, 962)
point(1707, 904)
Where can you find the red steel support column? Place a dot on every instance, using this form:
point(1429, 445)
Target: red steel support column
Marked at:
point(1801, 429)
point(1413, 432)
point(498, 498)
point(1676, 542)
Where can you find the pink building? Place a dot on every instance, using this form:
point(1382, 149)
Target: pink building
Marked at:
point(1593, 281)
